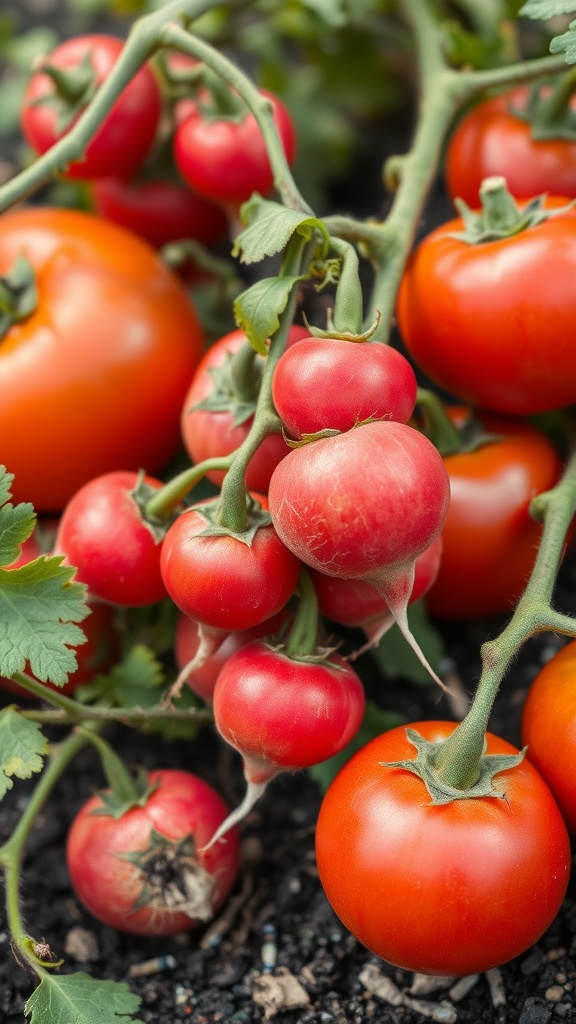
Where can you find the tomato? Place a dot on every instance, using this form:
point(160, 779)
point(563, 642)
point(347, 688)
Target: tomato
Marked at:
point(225, 159)
point(210, 433)
point(103, 533)
point(125, 135)
point(159, 211)
point(350, 383)
point(491, 140)
point(143, 872)
point(449, 889)
point(489, 538)
point(493, 323)
point(221, 581)
point(549, 729)
point(93, 380)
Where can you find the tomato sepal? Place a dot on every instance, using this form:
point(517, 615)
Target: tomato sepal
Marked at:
point(73, 89)
point(224, 396)
point(424, 766)
point(114, 805)
point(549, 116)
point(257, 517)
point(18, 294)
point(141, 495)
point(500, 216)
point(172, 874)
point(332, 332)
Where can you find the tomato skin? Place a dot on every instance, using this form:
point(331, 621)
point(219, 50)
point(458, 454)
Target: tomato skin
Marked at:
point(453, 889)
point(549, 729)
point(208, 434)
point(489, 538)
point(488, 323)
point(350, 383)
point(109, 885)
point(158, 211)
point(225, 159)
point(222, 582)
point(102, 533)
point(491, 140)
point(94, 379)
point(126, 134)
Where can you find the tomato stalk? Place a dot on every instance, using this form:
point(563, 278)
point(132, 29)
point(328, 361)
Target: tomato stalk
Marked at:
point(303, 633)
point(458, 759)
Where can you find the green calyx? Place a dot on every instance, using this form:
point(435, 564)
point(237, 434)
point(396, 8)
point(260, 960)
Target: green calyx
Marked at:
point(141, 495)
point(425, 766)
point(172, 877)
point(500, 216)
point(236, 385)
point(73, 90)
point(253, 517)
point(122, 798)
point(548, 109)
point(18, 294)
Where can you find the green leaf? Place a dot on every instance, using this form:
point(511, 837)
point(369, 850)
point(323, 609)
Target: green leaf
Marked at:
point(398, 660)
point(16, 522)
point(133, 682)
point(271, 226)
point(80, 999)
point(22, 746)
point(566, 43)
point(376, 721)
point(547, 8)
point(257, 310)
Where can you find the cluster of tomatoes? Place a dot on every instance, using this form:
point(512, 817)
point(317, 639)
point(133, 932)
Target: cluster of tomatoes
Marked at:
point(345, 508)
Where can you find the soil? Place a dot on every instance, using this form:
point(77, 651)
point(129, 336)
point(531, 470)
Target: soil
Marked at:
point(277, 951)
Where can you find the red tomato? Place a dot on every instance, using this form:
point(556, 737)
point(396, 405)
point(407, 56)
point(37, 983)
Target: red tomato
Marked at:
point(489, 538)
point(125, 135)
point(350, 383)
point(159, 211)
point(455, 888)
point(549, 729)
point(494, 323)
point(208, 433)
point(93, 380)
point(221, 581)
point(491, 140)
point(142, 872)
point(115, 551)
point(225, 159)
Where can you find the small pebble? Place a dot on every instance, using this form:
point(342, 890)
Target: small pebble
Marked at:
point(535, 1011)
point(82, 945)
point(554, 994)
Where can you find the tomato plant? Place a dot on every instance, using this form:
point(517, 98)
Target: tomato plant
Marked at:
point(487, 322)
point(60, 89)
point(224, 158)
point(93, 378)
point(494, 138)
point(143, 872)
point(454, 888)
point(548, 728)
point(489, 539)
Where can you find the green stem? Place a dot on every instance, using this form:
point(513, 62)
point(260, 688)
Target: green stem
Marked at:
point(59, 700)
point(552, 108)
point(458, 758)
point(303, 634)
point(437, 424)
point(125, 716)
point(244, 379)
point(12, 852)
point(347, 315)
point(117, 775)
point(162, 504)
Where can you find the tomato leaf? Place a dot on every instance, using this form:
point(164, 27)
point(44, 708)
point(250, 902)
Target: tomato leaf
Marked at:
point(397, 659)
point(257, 310)
point(39, 603)
point(22, 746)
point(546, 8)
point(567, 43)
point(376, 720)
point(133, 682)
point(271, 226)
point(79, 999)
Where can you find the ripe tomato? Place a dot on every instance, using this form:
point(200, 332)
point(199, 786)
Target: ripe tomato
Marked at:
point(494, 323)
point(209, 433)
point(159, 211)
point(549, 729)
point(453, 888)
point(225, 159)
point(125, 135)
point(141, 872)
point(491, 140)
point(93, 380)
point(489, 539)
point(116, 552)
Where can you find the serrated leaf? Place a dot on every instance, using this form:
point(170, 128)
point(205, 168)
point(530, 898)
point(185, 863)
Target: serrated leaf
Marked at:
point(547, 8)
point(133, 682)
point(271, 226)
point(79, 999)
point(566, 43)
point(22, 746)
point(16, 525)
point(376, 721)
point(257, 310)
point(398, 660)
point(39, 606)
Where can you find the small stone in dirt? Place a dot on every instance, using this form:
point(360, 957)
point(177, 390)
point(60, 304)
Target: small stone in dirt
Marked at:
point(424, 984)
point(554, 994)
point(82, 945)
point(380, 985)
point(462, 987)
point(535, 1011)
point(278, 992)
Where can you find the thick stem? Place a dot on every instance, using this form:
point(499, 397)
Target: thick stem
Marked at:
point(552, 108)
point(302, 637)
point(163, 502)
point(117, 775)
